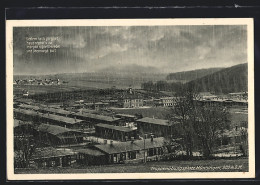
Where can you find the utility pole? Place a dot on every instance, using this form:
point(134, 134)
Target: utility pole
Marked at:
point(145, 136)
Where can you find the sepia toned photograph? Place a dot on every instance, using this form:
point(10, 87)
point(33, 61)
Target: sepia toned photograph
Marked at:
point(130, 99)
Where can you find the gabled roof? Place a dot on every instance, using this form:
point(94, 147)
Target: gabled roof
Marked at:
point(26, 106)
point(53, 129)
point(28, 112)
point(57, 111)
point(238, 93)
point(49, 116)
point(132, 96)
point(131, 146)
point(24, 100)
point(49, 152)
point(154, 121)
point(89, 151)
point(125, 115)
point(18, 123)
point(96, 116)
point(112, 127)
point(167, 98)
point(61, 118)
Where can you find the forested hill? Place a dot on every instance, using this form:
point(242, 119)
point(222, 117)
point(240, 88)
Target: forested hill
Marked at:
point(226, 80)
point(232, 79)
point(187, 76)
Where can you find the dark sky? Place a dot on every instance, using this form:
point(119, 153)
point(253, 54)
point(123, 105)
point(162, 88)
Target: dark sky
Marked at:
point(159, 48)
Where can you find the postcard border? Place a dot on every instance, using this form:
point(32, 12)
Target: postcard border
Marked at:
point(128, 22)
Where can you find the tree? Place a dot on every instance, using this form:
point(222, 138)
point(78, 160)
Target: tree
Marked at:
point(25, 145)
point(183, 110)
point(208, 121)
point(199, 123)
point(244, 141)
point(148, 86)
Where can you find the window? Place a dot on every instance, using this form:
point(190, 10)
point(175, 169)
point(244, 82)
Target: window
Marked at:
point(132, 155)
point(122, 156)
point(115, 158)
point(160, 151)
point(150, 152)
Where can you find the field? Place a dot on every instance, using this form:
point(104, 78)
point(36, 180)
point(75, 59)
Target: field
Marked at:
point(42, 89)
point(83, 81)
point(156, 112)
point(237, 115)
point(219, 165)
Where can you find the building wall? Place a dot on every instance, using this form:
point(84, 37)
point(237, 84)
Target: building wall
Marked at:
point(62, 161)
point(131, 103)
point(167, 102)
point(26, 117)
point(114, 134)
point(153, 154)
point(157, 130)
point(91, 122)
point(64, 139)
point(85, 159)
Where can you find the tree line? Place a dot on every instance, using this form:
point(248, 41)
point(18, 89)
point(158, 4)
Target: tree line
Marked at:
point(201, 125)
point(162, 86)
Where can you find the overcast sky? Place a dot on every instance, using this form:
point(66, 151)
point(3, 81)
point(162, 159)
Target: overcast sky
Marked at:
point(159, 48)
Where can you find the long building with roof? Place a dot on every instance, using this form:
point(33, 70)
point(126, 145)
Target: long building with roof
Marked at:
point(151, 149)
point(158, 127)
point(115, 132)
point(38, 117)
point(60, 111)
point(57, 135)
point(52, 157)
point(62, 121)
point(51, 110)
point(26, 115)
point(93, 119)
point(126, 117)
point(29, 107)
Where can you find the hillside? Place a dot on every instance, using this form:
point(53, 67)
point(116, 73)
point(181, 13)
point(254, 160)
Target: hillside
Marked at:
point(130, 69)
point(232, 79)
point(186, 76)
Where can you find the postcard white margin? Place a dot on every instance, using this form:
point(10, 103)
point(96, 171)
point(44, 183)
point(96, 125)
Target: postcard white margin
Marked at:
point(128, 22)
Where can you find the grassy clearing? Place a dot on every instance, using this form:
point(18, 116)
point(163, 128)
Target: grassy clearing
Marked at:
point(156, 112)
point(220, 165)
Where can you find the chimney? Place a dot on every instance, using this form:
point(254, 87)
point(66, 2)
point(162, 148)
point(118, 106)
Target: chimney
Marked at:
point(105, 141)
point(111, 142)
point(132, 139)
point(152, 138)
point(75, 119)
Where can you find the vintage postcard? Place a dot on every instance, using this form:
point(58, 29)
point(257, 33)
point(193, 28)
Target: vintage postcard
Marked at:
point(130, 99)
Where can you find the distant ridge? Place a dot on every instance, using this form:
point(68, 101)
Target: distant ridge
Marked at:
point(131, 68)
point(186, 76)
point(231, 79)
